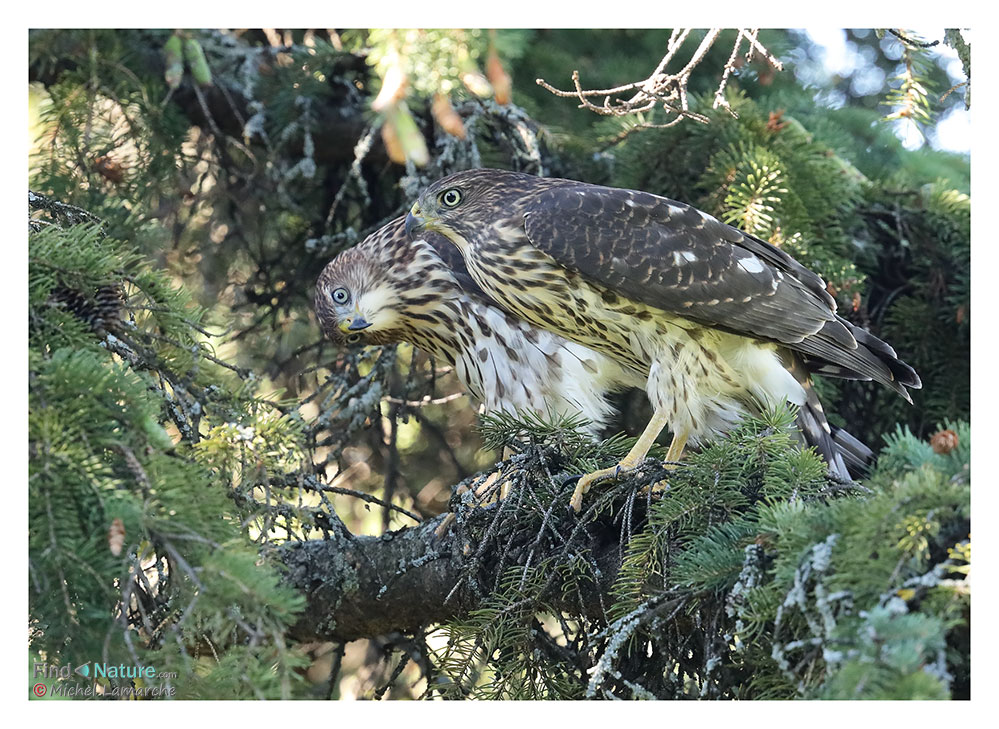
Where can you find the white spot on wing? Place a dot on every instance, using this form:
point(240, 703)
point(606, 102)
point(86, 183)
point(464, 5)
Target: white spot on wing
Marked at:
point(751, 264)
point(679, 257)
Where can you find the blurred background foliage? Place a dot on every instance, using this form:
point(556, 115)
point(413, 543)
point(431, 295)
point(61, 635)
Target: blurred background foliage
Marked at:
point(223, 169)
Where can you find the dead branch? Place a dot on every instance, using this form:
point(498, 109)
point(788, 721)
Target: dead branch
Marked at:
point(667, 90)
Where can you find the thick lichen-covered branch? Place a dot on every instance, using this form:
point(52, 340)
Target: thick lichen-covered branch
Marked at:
point(363, 587)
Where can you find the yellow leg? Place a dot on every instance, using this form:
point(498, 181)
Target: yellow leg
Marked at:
point(674, 454)
point(635, 456)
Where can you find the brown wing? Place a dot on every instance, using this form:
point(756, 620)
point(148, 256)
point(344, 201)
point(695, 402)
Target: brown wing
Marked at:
point(672, 256)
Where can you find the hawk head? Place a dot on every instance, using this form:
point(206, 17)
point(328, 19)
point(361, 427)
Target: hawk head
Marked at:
point(464, 206)
point(355, 302)
point(380, 290)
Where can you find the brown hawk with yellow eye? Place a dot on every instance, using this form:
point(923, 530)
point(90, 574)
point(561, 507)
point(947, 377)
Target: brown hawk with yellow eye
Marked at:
point(717, 322)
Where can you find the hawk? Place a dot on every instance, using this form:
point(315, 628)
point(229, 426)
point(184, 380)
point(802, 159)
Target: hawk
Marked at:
point(717, 322)
point(388, 289)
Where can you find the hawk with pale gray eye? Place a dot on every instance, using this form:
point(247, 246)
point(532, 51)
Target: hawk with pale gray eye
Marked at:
point(389, 289)
point(716, 322)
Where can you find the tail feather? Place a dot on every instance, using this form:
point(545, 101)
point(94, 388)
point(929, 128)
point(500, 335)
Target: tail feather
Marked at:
point(903, 373)
point(857, 456)
point(847, 457)
point(869, 359)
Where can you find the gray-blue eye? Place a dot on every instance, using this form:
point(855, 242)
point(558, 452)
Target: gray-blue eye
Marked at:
point(450, 198)
point(353, 338)
point(341, 295)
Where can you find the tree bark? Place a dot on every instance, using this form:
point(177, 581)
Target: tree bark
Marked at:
point(358, 587)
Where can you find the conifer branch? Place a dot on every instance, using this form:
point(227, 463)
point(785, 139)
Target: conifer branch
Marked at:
point(362, 587)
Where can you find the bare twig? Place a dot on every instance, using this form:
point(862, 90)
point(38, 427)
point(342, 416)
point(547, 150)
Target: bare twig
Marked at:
point(427, 400)
point(663, 89)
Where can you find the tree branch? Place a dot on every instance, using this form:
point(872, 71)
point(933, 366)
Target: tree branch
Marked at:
point(668, 90)
point(358, 587)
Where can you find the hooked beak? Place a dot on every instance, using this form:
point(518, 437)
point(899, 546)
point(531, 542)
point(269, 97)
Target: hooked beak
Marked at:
point(354, 324)
point(415, 223)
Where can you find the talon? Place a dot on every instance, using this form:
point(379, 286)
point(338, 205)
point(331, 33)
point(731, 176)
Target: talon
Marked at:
point(657, 488)
point(584, 483)
point(444, 526)
point(660, 487)
point(572, 479)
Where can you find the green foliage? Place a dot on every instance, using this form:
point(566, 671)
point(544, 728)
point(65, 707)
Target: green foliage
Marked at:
point(435, 60)
point(102, 100)
point(210, 420)
point(909, 94)
point(752, 576)
point(493, 653)
point(523, 429)
point(920, 301)
point(123, 392)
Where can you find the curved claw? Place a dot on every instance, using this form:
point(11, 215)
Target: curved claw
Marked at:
point(585, 482)
point(444, 526)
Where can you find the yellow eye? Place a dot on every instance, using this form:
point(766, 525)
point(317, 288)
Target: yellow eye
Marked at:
point(353, 338)
point(450, 198)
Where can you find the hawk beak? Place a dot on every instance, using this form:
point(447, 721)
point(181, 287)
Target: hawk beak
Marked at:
point(415, 224)
point(354, 324)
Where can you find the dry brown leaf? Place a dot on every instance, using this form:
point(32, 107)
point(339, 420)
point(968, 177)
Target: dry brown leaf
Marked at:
point(116, 537)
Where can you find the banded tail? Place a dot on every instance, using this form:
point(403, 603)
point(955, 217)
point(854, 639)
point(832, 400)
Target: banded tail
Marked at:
point(848, 457)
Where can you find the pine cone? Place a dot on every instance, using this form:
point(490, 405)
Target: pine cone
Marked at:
point(944, 442)
point(100, 309)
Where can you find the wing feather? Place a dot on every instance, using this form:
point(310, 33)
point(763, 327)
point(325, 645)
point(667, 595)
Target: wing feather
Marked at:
point(676, 258)
point(672, 256)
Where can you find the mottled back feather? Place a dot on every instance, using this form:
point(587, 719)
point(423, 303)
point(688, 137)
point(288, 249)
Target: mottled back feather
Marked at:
point(669, 255)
